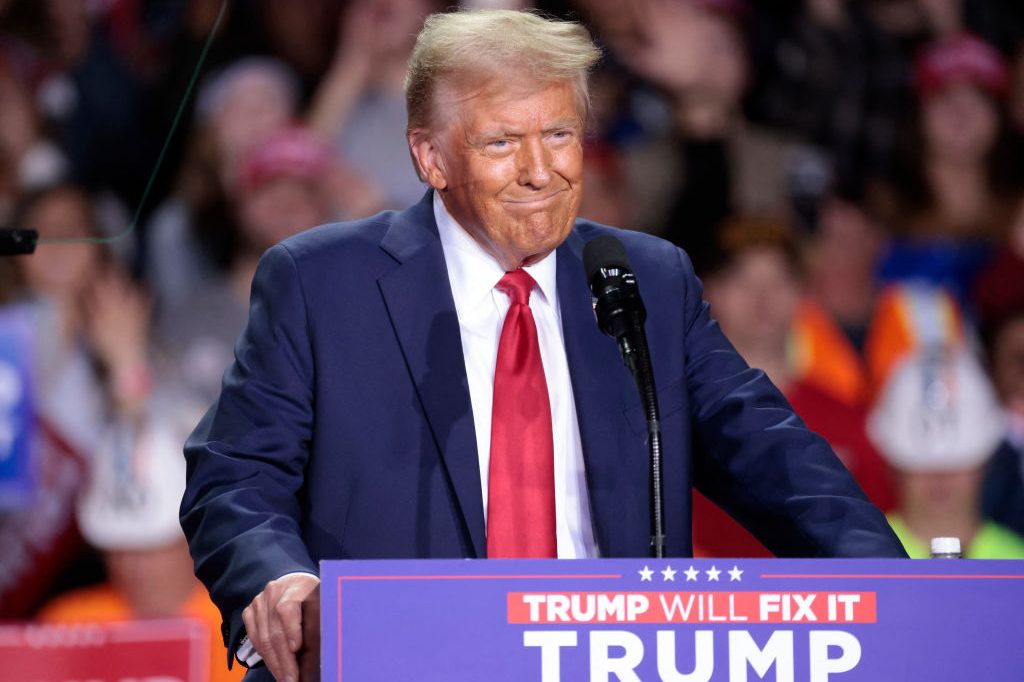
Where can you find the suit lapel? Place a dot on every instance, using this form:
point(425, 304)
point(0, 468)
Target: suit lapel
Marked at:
point(601, 388)
point(419, 301)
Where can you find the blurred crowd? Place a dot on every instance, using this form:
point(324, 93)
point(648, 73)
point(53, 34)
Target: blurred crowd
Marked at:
point(846, 175)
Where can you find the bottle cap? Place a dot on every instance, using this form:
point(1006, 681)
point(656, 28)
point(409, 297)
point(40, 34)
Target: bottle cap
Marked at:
point(945, 546)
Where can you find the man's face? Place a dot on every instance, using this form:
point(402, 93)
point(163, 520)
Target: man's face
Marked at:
point(508, 163)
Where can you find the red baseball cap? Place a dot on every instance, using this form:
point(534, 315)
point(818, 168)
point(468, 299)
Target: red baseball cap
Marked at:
point(290, 153)
point(961, 58)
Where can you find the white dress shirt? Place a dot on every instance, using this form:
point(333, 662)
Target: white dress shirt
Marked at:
point(481, 309)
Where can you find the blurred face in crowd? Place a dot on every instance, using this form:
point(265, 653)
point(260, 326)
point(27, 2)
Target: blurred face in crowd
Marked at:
point(279, 209)
point(507, 158)
point(847, 239)
point(960, 124)
point(1008, 363)
point(155, 581)
point(61, 270)
point(844, 253)
point(256, 107)
point(755, 299)
point(941, 494)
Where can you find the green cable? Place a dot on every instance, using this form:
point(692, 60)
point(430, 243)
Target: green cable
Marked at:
point(163, 152)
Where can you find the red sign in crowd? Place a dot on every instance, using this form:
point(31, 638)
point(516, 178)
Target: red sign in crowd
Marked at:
point(147, 651)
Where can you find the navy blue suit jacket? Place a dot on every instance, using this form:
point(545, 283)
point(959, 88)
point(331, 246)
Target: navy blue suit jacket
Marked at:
point(344, 428)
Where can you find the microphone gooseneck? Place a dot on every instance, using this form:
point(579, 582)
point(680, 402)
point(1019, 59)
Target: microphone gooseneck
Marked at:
point(621, 315)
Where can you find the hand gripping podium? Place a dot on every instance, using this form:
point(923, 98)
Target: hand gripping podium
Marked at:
point(677, 620)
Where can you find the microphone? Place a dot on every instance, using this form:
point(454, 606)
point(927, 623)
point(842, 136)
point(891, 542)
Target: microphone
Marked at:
point(18, 242)
point(621, 315)
point(620, 310)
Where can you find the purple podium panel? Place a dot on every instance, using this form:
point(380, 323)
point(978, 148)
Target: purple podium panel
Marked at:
point(676, 620)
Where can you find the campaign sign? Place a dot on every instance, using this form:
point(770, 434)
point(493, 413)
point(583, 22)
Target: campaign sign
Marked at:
point(15, 409)
point(676, 620)
point(174, 650)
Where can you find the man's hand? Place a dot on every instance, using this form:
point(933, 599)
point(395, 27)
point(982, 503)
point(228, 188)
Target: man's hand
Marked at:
point(273, 621)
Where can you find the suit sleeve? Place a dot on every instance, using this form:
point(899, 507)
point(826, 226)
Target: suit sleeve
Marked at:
point(755, 458)
point(246, 458)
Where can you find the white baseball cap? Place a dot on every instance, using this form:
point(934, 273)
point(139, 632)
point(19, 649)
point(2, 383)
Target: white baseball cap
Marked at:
point(135, 486)
point(937, 412)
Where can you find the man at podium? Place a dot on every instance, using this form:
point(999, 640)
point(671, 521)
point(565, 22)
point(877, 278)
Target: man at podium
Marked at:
point(432, 382)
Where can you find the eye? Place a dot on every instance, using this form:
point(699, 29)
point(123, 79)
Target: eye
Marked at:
point(499, 145)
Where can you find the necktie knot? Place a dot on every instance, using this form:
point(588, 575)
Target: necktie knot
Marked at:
point(517, 284)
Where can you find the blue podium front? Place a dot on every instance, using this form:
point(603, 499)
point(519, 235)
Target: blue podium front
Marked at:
point(677, 620)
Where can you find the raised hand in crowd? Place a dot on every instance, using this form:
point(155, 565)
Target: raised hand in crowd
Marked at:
point(117, 322)
point(663, 42)
point(18, 125)
point(694, 54)
point(373, 43)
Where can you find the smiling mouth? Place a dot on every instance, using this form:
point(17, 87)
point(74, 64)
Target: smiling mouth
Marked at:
point(532, 202)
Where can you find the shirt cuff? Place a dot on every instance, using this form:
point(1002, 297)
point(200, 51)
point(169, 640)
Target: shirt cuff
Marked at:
point(246, 653)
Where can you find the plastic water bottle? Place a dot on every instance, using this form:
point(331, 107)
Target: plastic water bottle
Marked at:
point(946, 548)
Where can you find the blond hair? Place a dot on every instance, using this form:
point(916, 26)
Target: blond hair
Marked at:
point(490, 42)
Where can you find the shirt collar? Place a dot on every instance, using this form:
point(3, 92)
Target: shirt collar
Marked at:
point(473, 272)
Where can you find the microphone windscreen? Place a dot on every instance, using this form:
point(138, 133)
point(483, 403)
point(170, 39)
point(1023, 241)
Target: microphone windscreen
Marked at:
point(604, 252)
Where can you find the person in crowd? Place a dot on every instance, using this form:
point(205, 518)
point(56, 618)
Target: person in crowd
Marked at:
point(1003, 498)
point(191, 236)
point(757, 291)
point(1000, 286)
point(194, 237)
point(128, 511)
point(952, 196)
point(694, 56)
point(999, 298)
point(378, 405)
point(103, 135)
point(842, 255)
point(282, 186)
point(90, 369)
point(938, 422)
point(824, 72)
point(360, 104)
point(28, 159)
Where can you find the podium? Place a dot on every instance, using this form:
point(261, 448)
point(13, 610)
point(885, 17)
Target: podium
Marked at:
point(678, 620)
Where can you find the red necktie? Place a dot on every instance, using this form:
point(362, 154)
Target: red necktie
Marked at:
point(521, 483)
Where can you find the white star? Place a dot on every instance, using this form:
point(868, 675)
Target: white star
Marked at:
point(735, 573)
point(713, 573)
point(645, 574)
point(691, 574)
point(668, 574)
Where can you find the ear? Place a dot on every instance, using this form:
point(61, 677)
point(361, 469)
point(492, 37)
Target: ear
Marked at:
point(427, 156)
